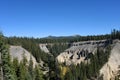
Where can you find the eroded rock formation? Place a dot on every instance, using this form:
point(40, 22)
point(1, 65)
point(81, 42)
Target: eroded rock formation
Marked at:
point(80, 51)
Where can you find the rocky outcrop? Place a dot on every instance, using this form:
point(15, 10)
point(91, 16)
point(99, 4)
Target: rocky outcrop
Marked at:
point(18, 52)
point(44, 48)
point(109, 70)
point(80, 51)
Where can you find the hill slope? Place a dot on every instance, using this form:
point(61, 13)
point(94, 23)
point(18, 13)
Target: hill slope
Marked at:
point(18, 52)
point(109, 70)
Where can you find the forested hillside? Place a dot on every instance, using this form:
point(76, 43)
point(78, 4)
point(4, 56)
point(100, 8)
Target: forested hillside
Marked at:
point(15, 70)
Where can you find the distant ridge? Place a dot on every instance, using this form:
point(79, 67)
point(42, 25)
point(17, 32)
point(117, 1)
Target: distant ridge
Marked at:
point(58, 37)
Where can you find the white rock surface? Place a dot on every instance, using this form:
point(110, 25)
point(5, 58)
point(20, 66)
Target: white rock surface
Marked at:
point(44, 48)
point(77, 49)
point(18, 52)
point(111, 67)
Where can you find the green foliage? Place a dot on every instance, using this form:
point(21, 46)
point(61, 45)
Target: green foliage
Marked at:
point(71, 39)
point(31, 69)
point(89, 70)
point(21, 71)
point(26, 72)
point(8, 70)
point(115, 34)
point(31, 45)
point(15, 65)
point(38, 74)
point(57, 48)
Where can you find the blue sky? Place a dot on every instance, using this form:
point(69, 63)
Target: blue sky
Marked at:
point(41, 18)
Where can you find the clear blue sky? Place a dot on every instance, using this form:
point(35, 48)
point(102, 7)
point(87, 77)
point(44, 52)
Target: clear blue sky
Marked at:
point(40, 18)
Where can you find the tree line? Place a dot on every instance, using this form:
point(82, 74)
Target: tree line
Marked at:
point(14, 69)
point(82, 71)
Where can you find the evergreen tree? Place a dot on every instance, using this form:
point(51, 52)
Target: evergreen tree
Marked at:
point(22, 71)
point(38, 74)
point(8, 71)
point(15, 65)
point(30, 69)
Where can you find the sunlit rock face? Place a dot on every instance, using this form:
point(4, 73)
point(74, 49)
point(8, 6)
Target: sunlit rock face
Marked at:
point(44, 48)
point(18, 52)
point(109, 70)
point(80, 52)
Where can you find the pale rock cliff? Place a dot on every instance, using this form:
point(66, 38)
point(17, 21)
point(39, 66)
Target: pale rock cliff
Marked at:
point(79, 51)
point(18, 52)
point(109, 70)
point(44, 48)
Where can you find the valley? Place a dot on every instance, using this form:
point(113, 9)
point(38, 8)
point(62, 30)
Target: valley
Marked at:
point(74, 58)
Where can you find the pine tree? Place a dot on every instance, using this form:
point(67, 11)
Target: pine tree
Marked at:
point(8, 71)
point(38, 74)
point(22, 71)
point(15, 67)
point(30, 68)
